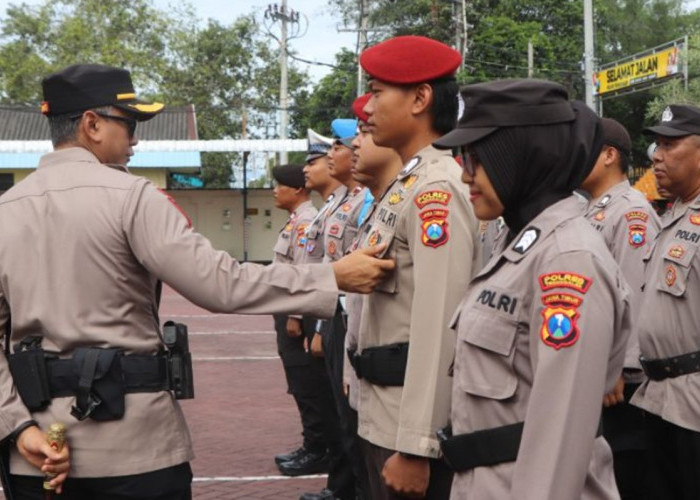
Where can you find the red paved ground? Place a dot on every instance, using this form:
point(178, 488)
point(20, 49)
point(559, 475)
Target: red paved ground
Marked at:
point(241, 416)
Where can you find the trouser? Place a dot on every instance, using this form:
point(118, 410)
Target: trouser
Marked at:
point(672, 460)
point(302, 374)
point(172, 483)
point(623, 428)
point(439, 485)
point(347, 476)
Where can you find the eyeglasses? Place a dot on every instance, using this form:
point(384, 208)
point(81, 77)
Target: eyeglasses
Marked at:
point(469, 159)
point(130, 122)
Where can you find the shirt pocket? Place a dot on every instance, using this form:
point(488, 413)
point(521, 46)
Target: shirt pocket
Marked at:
point(677, 261)
point(390, 284)
point(486, 351)
point(282, 246)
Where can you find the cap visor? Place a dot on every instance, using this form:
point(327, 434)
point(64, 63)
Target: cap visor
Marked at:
point(665, 131)
point(461, 136)
point(347, 142)
point(142, 111)
point(313, 156)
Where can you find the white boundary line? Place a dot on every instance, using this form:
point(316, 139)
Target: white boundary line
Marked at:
point(234, 332)
point(232, 479)
point(235, 358)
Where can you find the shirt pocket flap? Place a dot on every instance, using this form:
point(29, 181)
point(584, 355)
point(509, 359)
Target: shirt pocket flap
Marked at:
point(282, 246)
point(677, 262)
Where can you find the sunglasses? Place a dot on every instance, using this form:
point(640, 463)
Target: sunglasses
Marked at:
point(129, 122)
point(469, 159)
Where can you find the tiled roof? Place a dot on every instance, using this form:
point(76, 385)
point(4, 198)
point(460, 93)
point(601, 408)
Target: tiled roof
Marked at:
point(28, 124)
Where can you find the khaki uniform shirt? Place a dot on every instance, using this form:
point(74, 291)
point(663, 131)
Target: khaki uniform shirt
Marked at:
point(490, 234)
point(340, 229)
point(291, 242)
point(430, 229)
point(315, 230)
point(669, 322)
point(628, 224)
point(541, 338)
point(81, 249)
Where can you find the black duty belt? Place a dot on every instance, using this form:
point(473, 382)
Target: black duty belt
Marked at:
point(383, 365)
point(660, 369)
point(483, 448)
point(141, 373)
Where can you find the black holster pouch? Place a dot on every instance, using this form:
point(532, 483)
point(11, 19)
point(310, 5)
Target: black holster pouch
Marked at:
point(28, 368)
point(100, 391)
point(382, 365)
point(180, 375)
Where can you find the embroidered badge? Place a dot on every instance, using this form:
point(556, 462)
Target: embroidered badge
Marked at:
point(332, 247)
point(375, 238)
point(334, 230)
point(428, 197)
point(310, 246)
point(637, 214)
point(528, 239)
point(637, 234)
point(676, 251)
point(695, 219)
point(346, 207)
point(395, 198)
point(409, 181)
point(565, 280)
point(435, 232)
point(603, 201)
point(565, 299)
point(667, 115)
point(559, 328)
point(599, 216)
point(288, 227)
point(670, 275)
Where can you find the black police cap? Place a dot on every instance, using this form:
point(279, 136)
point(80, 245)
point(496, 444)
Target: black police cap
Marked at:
point(289, 175)
point(486, 107)
point(616, 135)
point(677, 121)
point(86, 86)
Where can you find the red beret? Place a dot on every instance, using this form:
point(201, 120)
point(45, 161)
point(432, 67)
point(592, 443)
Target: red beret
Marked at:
point(410, 59)
point(359, 104)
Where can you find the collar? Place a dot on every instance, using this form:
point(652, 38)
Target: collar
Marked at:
point(423, 157)
point(67, 155)
point(676, 214)
point(610, 195)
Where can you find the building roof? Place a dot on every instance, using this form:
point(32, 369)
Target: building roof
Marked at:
point(19, 123)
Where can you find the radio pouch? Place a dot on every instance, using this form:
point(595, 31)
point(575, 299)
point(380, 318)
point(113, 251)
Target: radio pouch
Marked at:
point(100, 391)
point(28, 368)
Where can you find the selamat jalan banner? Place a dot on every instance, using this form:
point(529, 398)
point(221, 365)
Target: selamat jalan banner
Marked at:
point(644, 69)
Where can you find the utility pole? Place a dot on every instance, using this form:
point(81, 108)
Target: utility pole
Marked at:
point(290, 28)
point(362, 38)
point(530, 58)
point(589, 52)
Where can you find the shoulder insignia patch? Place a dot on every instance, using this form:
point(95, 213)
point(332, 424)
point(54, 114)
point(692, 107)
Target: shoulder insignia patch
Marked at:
point(528, 239)
point(434, 226)
point(565, 280)
point(409, 181)
point(637, 214)
point(670, 275)
point(428, 197)
point(676, 251)
point(179, 208)
point(600, 215)
point(695, 219)
point(637, 234)
point(559, 328)
point(565, 299)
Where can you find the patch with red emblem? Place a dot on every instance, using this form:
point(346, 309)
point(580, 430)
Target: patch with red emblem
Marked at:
point(637, 234)
point(559, 328)
point(434, 226)
point(676, 251)
point(695, 219)
point(179, 208)
point(670, 275)
point(374, 238)
point(331, 248)
point(428, 197)
point(301, 235)
point(637, 215)
point(565, 280)
point(334, 230)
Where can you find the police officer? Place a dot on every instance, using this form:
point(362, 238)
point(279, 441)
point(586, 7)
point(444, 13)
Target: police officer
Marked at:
point(542, 331)
point(83, 247)
point(291, 195)
point(669, 319)
point(628, 224)
point(405, 346)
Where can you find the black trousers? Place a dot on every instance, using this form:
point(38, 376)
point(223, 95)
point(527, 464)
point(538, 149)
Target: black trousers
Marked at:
point(302, 373)
point(439, 486)
point(623, 428)
point(347, 477)
point(172, 483)
point(672, 460)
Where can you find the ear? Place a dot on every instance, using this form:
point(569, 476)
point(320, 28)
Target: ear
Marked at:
point(610, 156)
point(91, 127)
point(423, 99)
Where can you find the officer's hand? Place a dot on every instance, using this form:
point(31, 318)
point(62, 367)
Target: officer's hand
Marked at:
point(617, 395)
point(408, 477)
point(317, 346)
point(293, 327)
point(361, 271)
point(33, 445)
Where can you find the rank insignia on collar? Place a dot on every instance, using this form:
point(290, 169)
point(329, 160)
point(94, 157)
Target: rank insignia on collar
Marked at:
point(637, 234)
point(434, 226)
point(670, 275)
point(288, 227)
point(559, 327)
point(395, 198)
point(676, 251)
point(600, 216)
point(409, 181)
point(695, 219)
point(603, 201)
point(412, 163)
point(526, 241)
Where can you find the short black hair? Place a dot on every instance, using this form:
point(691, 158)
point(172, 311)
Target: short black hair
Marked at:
point(64, 127)
point(445, 104)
